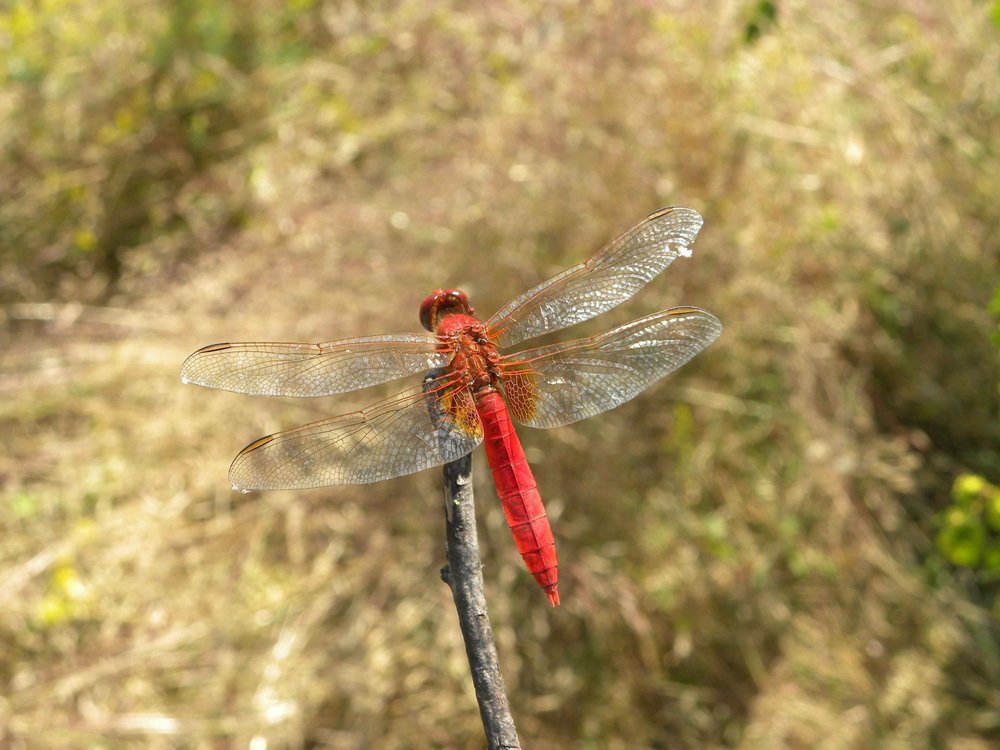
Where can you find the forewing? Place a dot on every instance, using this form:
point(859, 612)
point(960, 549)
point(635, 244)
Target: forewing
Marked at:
point(418, 429)
point(564, 383)
point(619, 270)
point(276, 369)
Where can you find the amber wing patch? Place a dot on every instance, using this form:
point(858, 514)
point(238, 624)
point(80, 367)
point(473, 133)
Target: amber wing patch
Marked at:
point(521, 392)
point(459, 406)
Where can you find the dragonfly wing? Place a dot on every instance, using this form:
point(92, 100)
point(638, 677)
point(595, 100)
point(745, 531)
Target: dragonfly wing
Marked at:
point(417, 429)
point(556, 385)
point(276, 369)
point(619, 270)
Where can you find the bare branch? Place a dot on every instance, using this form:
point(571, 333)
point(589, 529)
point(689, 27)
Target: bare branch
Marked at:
point(464, 575)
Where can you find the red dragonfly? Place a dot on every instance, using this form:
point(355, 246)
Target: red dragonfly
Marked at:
point(476, 385)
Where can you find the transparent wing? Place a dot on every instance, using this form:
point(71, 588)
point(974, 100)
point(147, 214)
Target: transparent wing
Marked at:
point(619, 270)
point(556, 385)
point(276, 369)
point(419, 428)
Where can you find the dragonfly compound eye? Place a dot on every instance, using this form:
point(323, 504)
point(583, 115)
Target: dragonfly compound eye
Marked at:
point(443, 302)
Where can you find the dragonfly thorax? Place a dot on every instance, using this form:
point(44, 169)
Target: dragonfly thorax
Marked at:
point(476, 359)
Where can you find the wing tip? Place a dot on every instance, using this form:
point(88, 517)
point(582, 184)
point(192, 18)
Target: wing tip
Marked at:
point(188, 376)
point(686, 235)
point(682, 210)
point(187, 367)
point(235, 480)
point(711, 319)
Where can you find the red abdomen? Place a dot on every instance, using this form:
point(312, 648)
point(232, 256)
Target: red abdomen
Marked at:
point(518, 493)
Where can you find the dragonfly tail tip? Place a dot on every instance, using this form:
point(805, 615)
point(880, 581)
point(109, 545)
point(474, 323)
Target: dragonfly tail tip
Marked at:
point(553, 595)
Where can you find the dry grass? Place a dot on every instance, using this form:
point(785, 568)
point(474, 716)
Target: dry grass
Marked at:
point(745, 547)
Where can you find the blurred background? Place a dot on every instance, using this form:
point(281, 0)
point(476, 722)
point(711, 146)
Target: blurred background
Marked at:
point(793, 542)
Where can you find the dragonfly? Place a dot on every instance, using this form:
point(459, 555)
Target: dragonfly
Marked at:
point(476, 385)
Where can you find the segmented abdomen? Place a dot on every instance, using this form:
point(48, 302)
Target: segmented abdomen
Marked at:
point(518, 493)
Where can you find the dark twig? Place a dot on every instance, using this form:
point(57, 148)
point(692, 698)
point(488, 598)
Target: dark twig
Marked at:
point(464, 575)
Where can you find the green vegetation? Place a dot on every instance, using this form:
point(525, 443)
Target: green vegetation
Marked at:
point(791, 543)
point(969, 524)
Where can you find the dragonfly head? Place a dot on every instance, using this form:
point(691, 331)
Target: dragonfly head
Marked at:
point(443, 302)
